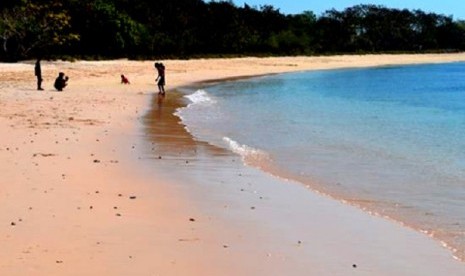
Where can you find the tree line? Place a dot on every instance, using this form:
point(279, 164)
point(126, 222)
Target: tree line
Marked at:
point(139, 29)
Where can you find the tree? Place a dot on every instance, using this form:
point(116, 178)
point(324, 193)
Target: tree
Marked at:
point(332, 32)
point(184, 28)
point(450, 35)
point(105, 30)
point(34, 28)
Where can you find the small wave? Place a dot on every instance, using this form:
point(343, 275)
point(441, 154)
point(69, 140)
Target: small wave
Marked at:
point(200, 97)
point(245, 151)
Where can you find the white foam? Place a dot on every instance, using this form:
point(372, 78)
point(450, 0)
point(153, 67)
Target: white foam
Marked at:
point(244, 150)
point(200, 97)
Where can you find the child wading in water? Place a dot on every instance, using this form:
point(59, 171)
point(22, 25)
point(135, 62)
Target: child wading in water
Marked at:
point(161, 77)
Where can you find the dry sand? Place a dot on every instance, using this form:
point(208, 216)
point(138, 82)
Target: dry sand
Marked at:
point(78, 197)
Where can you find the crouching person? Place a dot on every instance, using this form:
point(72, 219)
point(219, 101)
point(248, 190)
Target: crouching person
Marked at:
point(61, 81)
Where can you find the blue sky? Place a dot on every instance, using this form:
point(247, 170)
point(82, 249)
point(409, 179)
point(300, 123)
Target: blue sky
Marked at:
point(456, 8)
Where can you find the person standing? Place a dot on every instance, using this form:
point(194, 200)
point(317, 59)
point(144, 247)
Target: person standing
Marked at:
point(161, 78)
point(38, 73)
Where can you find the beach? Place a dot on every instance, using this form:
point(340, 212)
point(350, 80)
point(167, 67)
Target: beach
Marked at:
point(102, 179)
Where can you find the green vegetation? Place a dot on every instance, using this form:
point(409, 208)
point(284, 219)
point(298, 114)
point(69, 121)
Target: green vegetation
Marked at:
point(191, 28)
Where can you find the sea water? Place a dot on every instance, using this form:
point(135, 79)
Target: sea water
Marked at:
point(390, 140)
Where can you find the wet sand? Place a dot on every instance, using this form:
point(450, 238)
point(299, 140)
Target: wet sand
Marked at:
point(102, 179)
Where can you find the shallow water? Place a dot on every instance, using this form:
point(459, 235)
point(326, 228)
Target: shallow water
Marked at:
point(388, 139)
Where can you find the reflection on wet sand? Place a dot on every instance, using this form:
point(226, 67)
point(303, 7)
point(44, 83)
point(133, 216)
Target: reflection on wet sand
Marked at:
point(167, 133)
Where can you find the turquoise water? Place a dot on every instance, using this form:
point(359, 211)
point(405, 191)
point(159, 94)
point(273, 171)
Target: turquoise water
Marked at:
point(389, 139)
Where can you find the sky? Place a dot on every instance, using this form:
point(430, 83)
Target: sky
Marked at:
point(456, 8)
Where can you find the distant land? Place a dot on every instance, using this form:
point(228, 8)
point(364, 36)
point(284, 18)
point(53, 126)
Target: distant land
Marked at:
point(146, 29)
point(445, 7)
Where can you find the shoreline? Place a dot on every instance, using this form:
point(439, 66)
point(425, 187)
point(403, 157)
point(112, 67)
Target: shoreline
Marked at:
point(318, 188)
point(229, 171)
point(64, 153)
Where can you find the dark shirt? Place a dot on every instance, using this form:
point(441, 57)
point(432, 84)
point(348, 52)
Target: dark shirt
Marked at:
point(60, 83)
point(38, 70)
